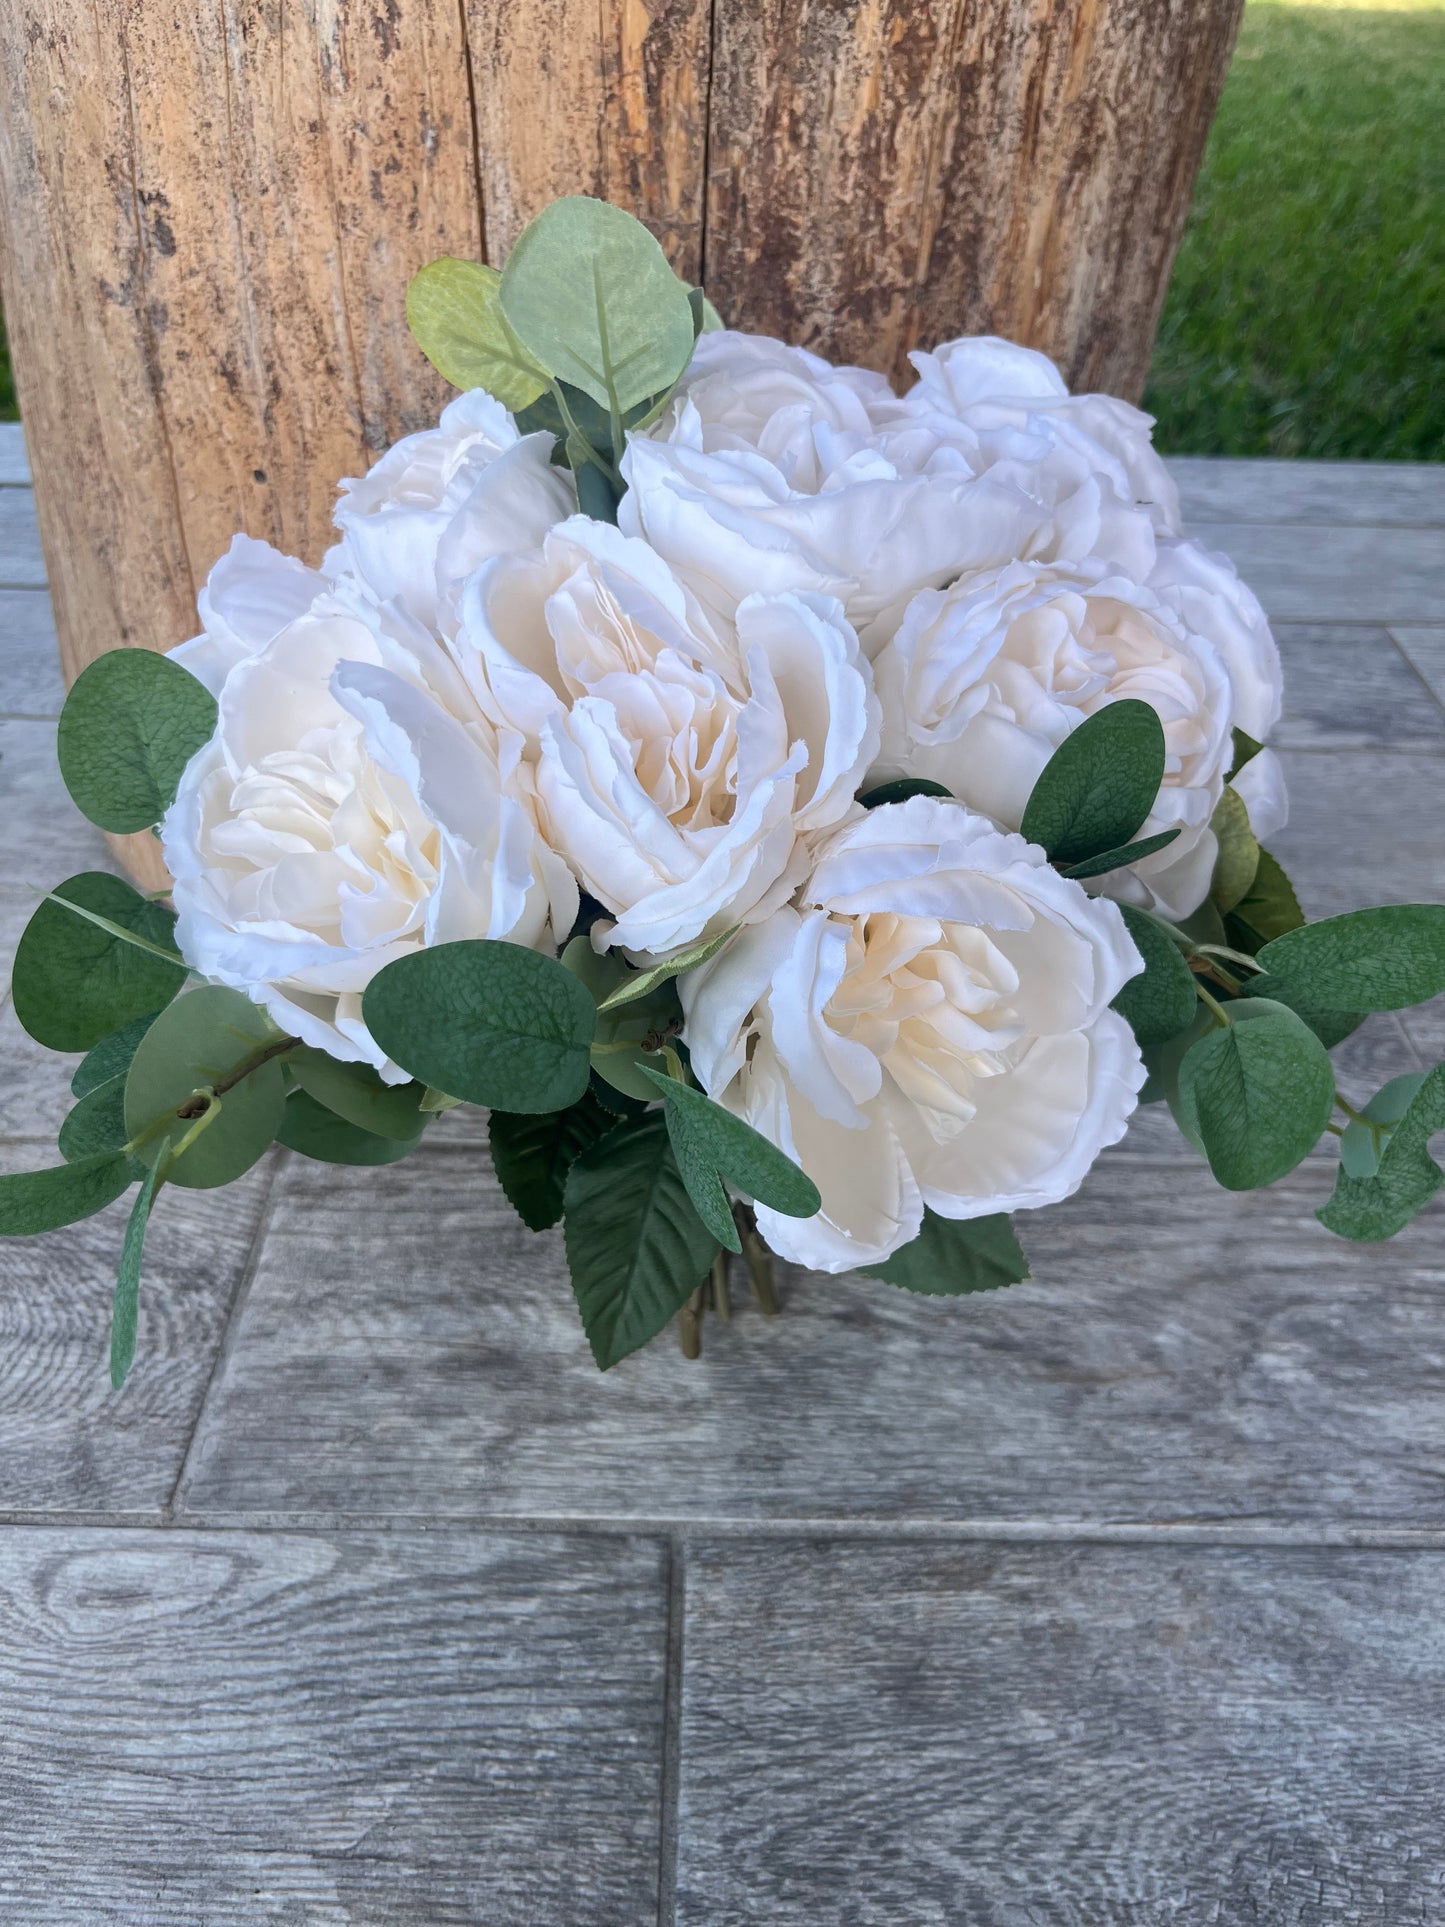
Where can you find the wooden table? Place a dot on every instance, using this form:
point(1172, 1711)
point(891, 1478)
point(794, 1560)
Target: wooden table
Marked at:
point(1116, 1598)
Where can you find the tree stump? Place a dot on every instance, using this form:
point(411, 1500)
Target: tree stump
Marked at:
point(208, 218)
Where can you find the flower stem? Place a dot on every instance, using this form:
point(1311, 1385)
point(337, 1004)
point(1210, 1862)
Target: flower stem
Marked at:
point(758, 1259)
point(1213, 1004)
point(721, 1297)
point(689, 1326)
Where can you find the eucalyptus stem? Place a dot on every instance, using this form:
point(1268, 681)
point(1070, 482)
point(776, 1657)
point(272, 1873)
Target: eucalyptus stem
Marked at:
point(758, 1259)
point(1213, 1003)
point(721, 1296)
point(689, 1326)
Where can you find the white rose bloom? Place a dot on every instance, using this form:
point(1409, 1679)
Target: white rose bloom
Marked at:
point(251, 594)
point(1205, 589)
point(679, 765)
point(928, 1025)
point(984, 680)
point(341, 817)
point(440, 503)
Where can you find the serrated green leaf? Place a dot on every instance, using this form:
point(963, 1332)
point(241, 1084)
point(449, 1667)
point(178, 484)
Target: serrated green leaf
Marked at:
point(1268, 908)
point(590, 295)
point(492, 1023)
point(125, 1309)
point(95, 1127)
point(454, 310)
point(112, 1056)
point(951, 1257)
point(131, 723)
point(636, 1248)
point(1161, 1001)
point(1365, 960)
point(355, 1092)
point(636, 984)
point(73, 981)
point(1098, 866)
point(315, 1132)
point(901, 788)
point(199, 1041)
point(749, 1162)
point(32, 1202)
point(1245, 751)
point(1371, 1209)
point(1099, 785)
point(1259, 1092)
point(1238, 858)
point(532, 1155)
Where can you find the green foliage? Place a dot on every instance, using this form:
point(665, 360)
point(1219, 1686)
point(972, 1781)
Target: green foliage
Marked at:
point(642, 983)
point(1238, 858)
point(1161, 1000)
point(454, 309)
point(1372, 1205)
point(1364, 960)
point(710, 1143)
point(308, 1127)
point(590, 296)
point(951, 1257)
point(901, 789)
point(532, 1155)
point(35, 1201)
point(125, 1310)
point(1268, 908)
point(490, 1023)
point(1258, 1092)
point(636, 1248)
point(355, 1092)
point(1099, 784)
point(74, 980)
point(112, 1056)
point(131, 723)
point(1098, 866)
point(203, 1040)
point(96, 1125)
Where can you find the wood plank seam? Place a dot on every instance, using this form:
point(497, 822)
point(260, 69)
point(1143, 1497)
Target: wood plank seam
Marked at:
point(671, 1749)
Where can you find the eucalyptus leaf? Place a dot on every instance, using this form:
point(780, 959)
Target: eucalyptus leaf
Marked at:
point(75, 982)
point(1361, 1145)
point(315, 1132)
point(1330, 1026)
point(1099, 785)
point(96, 1125)
point(1238, 858)
point(1268, 908)
point(1365, 960)
point(131, 723)
point(901, 789)
point(748, 1160)
point(355, 1092)
point(454, 309)
point(591, 297)
point(1245, 751)
point(112, 1056)
point(1161, 1001)
point(642, 983)
point(1098, 866)
point(636, 1248)
point(952, 1257)
point(35, 1201)
point(491, 1023)
point(125, 1309)
point(532, 1155)
point(201, 1040)
point(1370, 1209)
point(596, 494)
point(1259, 1092)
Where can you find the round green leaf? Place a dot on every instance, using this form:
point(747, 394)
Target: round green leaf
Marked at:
point(1268, 908)
point(196, 1043)
point(1375, 1207)
point(74, 982)
point(1099, 785)
point(356, 1093)
point(1161, 1000)
point(1238, 858)
point(112, 1056)
point(1259, 1092)
point(131, 723)
point(1360, 1147)
point(1365, 960)
point(96, 1125)
point(591, 297)
point(308, 1127)
point(454, 310)
point(490, 1023)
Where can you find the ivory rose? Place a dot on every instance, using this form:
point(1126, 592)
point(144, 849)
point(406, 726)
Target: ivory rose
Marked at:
point(927, 1024)
point(341, 816)
point(985, 679)
point(681, 764)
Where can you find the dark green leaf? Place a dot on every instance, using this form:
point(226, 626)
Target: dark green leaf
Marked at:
point(131, 723)
point(125, 1310)
point(900, 789)
point(1268, 908)
point(1330, 1026)
point(1099, 784)
point(1360, 1145)
point(308, 1127)
point(201, 1040)
point(616, 1102)
point(111, 1057)
point(1098, 866)
point(596, 495)
point(1369, 1209)
point(454, 310)
point(1259, 1091)
point(631, 985)
point(1364, 960)
point(1161, 1000)
point(36, 1201)
point(1238, 858)
point(532, 1155)
point(951, 1257)
point(491, 1023)
point(95, 1126)
point(356, 1092)
point(75, 982)
point(748, 1160)
point(1245, 751)
point(636, 1248)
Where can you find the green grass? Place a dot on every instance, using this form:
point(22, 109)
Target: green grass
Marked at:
point(8, 411)
point(1306, 316)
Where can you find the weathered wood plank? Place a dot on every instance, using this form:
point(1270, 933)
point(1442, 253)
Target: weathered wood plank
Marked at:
point(46, 838)
point(1426, 649)
point(1009, 1736)
point(1363, 829)
point(30, 683)
point(438, 1729)
point(1349, 687)
point(406, 1347)
point(21, 564)
point(14, 462)
point(1220, 489)
point(1311, 572)
point(67, 1441)
point(886, 177)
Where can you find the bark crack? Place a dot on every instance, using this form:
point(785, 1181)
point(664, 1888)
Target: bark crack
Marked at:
point(473, 128)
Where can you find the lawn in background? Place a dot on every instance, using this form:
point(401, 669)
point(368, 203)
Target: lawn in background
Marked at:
point(1306, 316)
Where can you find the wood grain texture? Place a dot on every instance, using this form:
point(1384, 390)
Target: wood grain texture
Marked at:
point(429, 1730)
point(885, 176)
point(1375, 494)
point(1014, 1738)
point(1348, 686)
point(1319, 572)
point(30, 683)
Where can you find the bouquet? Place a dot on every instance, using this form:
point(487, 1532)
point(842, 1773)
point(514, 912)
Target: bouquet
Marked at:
point(809, 819)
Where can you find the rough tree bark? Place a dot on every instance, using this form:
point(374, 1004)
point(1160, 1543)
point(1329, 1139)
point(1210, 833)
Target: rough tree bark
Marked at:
point(208, 217)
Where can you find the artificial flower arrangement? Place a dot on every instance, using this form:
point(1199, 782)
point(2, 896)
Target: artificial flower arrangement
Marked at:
point(809, 819)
